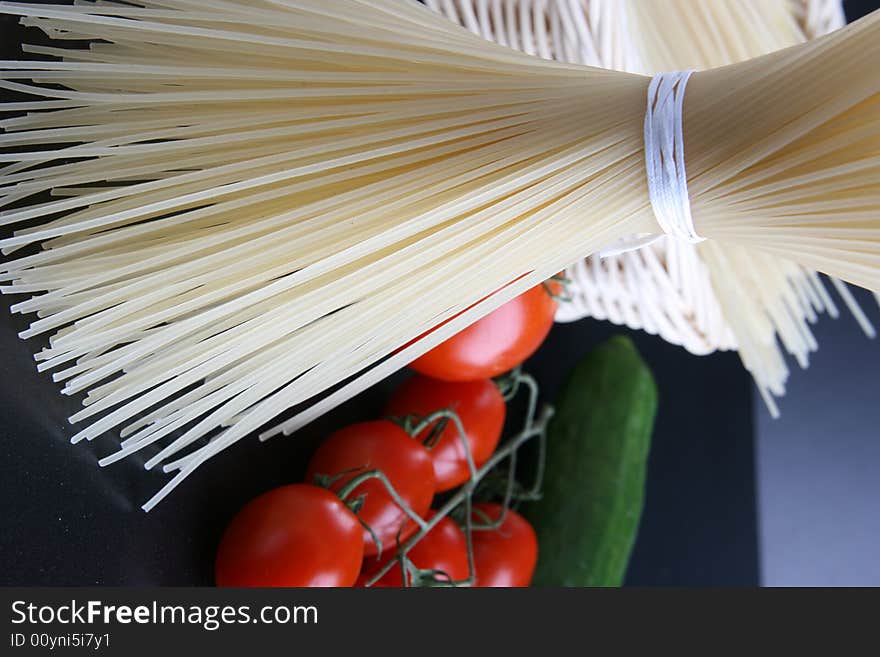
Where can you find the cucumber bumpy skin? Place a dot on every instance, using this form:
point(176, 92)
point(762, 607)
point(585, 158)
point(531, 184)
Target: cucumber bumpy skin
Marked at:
point(597, 450)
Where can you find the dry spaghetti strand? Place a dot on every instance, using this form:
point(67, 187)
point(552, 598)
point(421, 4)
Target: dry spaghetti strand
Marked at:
point(257, 202)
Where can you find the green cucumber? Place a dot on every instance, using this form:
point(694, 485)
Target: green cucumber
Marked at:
point(594, 478)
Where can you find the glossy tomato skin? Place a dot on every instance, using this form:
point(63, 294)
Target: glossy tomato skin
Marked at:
point(296, 535)
point(504, 557)
point(495, 343)
point(444, 549)
point(379, 445)
point(478, 404)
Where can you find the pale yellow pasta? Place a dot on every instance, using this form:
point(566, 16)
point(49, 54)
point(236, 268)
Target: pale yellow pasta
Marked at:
point(288, 192)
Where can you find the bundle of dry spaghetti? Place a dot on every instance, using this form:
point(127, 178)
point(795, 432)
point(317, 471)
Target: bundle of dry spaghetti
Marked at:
point(666, 287)
point(260, 205)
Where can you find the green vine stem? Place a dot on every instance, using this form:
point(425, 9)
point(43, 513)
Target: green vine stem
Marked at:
point(509, 385)
point(354, 482)
point(564, 282)
point(512, 383)
point(534, 428)
point(451, 416)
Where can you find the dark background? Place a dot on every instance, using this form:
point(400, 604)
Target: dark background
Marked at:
point(816, 466)
point(67, 522)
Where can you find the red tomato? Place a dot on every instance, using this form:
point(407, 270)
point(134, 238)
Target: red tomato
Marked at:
point(296, 535)
point(444, 549)
point(505, 556)
point(479, 406)
point(495, 343)
point(379, 445)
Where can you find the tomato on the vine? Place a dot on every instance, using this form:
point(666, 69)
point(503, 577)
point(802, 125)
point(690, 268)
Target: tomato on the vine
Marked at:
point(506, 556)
point(379, 445)
point(478, 404)
point(443, 549)
point(495, 343)
point(295, 535)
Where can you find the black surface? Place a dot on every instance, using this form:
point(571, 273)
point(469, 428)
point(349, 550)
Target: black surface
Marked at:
point(817, 484)
point(857, 8)
point(67, 522)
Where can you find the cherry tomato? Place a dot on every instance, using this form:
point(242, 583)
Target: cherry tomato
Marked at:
point(443, 549)
point(504, 557)
point(495, 343)
point(379, 445)
point(478, 404)
point(296, 535)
